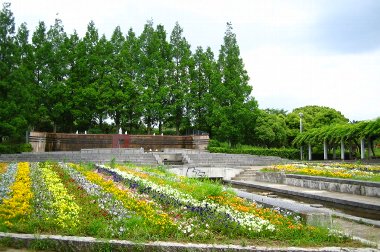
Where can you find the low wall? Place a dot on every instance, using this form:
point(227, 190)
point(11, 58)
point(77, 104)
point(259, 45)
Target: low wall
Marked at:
point(357, 187)
point(43, 141)
point(208, 172)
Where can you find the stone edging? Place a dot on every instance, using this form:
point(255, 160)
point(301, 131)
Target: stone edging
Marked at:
point(335, 180)
point(357, 187)
point(75, 243)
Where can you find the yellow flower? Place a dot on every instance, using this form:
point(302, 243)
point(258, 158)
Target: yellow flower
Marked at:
point(17, 206)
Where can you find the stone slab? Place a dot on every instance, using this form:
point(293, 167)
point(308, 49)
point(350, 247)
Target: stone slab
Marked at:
point(75, 243)
point(364, 202)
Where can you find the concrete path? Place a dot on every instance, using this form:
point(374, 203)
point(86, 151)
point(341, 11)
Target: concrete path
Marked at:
point(360, 228)
point(372, 203)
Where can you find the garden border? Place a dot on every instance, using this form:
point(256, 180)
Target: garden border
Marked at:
point(80, 243)
point(357, 187)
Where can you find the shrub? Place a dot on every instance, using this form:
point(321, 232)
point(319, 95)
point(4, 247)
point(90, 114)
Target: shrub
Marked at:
point(284, 152)
point(15, 148)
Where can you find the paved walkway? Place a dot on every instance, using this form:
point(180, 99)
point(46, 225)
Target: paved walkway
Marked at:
point(372, 203)
point(362, 228)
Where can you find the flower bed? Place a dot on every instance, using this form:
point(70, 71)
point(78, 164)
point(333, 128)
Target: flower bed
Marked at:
point(141, 204)
point(16, 207)
point(334, 170)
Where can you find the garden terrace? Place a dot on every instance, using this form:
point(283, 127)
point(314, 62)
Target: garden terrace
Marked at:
point(127, 202)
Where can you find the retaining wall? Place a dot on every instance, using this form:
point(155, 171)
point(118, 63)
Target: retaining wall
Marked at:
point(43, 141)
point(322, 183)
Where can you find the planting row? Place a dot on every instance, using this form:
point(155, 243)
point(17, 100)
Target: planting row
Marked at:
point(138, 203)
point(334, 170)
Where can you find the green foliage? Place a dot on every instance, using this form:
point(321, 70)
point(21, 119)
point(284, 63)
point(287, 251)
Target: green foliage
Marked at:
point(235, 112)
point(313, 117)
point(61, 82)
point(335, 133)
point(270, 130)
point(283, 152)
point(7, 148)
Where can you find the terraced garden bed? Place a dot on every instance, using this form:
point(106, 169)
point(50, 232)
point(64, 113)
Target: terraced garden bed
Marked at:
point(142, 204)
point(333, 170)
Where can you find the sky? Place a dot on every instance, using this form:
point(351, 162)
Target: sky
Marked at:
point(296, 52)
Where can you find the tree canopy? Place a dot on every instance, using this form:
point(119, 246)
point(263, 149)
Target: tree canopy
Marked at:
point(54, 81)
point(63, 83)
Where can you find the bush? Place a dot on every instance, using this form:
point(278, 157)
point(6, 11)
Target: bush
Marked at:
point(15, 148)
point(284, 153)
point(216, 143)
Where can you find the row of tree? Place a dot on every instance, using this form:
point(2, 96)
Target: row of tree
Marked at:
point(60, 82)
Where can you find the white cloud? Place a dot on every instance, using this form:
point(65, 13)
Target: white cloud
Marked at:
point(285, 79)
point(281, 48)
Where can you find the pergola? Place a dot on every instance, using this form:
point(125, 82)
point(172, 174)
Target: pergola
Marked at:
point(341, 135)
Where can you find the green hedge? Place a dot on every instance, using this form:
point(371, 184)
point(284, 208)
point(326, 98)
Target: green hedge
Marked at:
point(15, 148)
point(284, 153)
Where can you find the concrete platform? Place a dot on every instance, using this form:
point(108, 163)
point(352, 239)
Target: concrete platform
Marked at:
point(363, 229)
point(365, 202)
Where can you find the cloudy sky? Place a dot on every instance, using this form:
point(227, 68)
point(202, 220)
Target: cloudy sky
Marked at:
point(297, 52)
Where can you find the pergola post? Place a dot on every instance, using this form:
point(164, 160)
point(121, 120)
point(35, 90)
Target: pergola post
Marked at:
point(310, 154)
point(369, 149)
point(325, 150)
point(362, 149)
point(341, 149)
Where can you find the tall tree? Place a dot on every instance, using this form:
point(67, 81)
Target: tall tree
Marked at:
point(233, 92)
point(103, 80)
point(147, 74)
point(180, 77)
point(115, 97)
point(132, 88)
point(22, 76)
point(55, 92)
point(154, 58)
point(85, 76)
point(12, 119)
point(162, 56)
point(204, 80)
point(41, 55)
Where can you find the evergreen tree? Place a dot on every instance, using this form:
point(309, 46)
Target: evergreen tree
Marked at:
point(85, 75)
point(154, 58)
point(233, 94)
point(13, 122)
point(22, 83)
point(55, 93)
point(162, 56)
point(41, 51)
point(180, 78)
point(103, 81)
point(132, 88)
point(116, 96)
point(204, 80)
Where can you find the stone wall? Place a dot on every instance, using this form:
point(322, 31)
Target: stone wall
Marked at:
point(42, 141)
point(357, 187)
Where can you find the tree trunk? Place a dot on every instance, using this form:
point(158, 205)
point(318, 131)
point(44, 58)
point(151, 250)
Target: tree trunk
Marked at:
point(117, 121)
point(160, 127)
point(372, 149)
